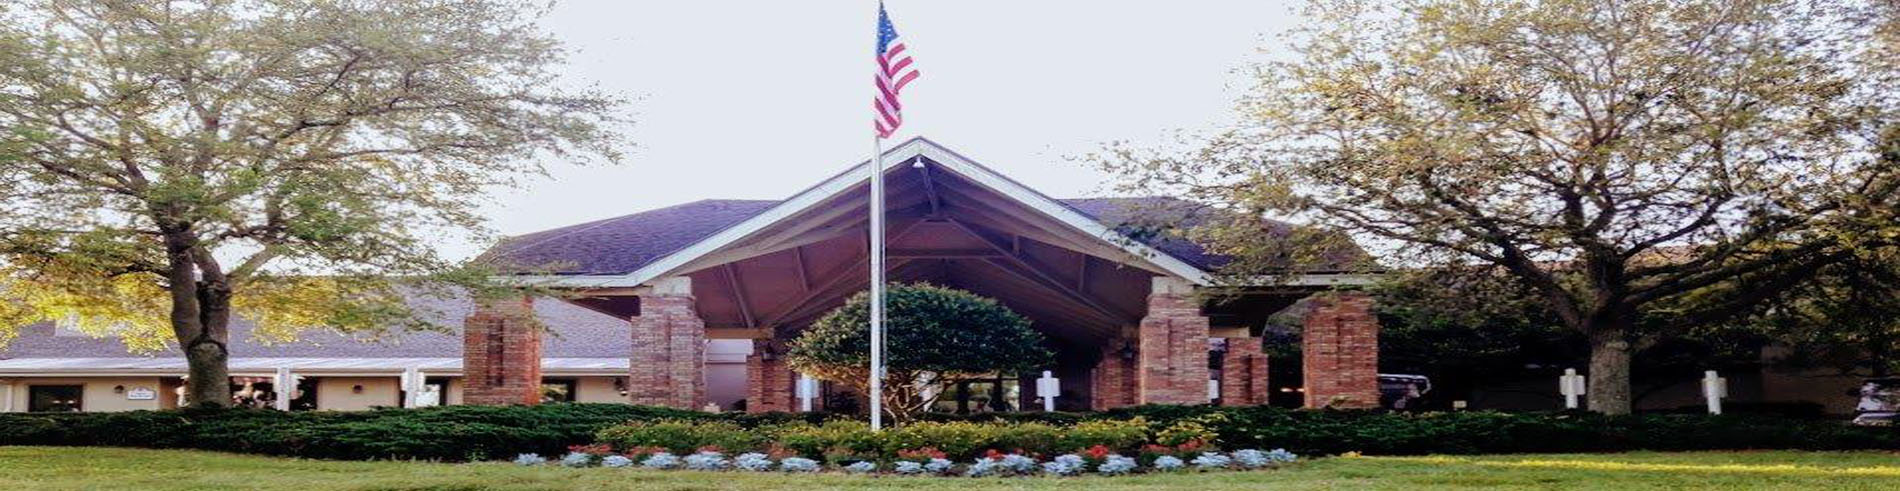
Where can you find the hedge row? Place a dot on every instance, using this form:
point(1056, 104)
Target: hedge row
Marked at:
point(457, 433)
point(450, 433)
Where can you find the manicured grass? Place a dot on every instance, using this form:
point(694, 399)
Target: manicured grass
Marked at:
point(57, 468)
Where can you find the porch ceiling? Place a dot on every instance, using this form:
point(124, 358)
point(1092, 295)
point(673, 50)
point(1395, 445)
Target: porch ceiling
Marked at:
point(942, 229)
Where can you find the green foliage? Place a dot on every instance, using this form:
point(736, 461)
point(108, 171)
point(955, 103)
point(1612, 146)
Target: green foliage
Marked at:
point(947, 335)
point(280, 160)
point(679, 436)
point(457, 433)
point(1121, 435)
point(1610, 157)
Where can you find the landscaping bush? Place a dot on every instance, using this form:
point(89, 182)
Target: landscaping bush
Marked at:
point(457, 433)
point(680, 436)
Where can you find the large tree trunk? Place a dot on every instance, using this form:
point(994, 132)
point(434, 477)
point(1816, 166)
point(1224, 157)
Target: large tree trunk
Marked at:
point(1609, 390)
point(207, 354)
point(200, 319)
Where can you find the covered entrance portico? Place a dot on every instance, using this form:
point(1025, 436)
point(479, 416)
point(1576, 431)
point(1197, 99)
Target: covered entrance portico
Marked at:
point(1119, 304)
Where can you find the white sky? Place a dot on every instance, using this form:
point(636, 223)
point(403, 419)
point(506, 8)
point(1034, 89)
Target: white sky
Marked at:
point(762, 98)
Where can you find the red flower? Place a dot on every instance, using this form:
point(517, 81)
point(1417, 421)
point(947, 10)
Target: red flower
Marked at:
point(1098, 452)
point(921, 453)
point(597, 449)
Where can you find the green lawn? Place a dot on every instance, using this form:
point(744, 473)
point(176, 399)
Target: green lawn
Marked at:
point(51, 468)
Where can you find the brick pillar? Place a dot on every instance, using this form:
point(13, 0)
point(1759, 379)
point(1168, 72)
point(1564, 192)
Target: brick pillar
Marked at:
point(1340, 353)
point(1112, 383)
point(769, 380)
point(1243, 373)
point(669, 348)
point(501, 354)
point(1173, 346)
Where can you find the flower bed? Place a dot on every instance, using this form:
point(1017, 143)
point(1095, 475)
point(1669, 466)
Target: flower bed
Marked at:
point(1096, 460)
point(463, 433)
point(993, 449)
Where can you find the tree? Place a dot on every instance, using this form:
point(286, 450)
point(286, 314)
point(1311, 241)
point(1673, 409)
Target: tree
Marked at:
point(1847, 317)
point(945, 335)
point(174, 163)
point(1607, 155)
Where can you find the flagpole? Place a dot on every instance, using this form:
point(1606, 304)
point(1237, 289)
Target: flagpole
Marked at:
point(877, 283)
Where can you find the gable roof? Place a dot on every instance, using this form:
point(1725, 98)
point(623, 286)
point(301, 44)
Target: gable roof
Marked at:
point(574, 332)
point(632, 249)
point(625, 243)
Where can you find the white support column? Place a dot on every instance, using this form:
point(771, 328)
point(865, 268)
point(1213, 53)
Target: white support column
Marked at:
point(286, 386)
point(6, 400)
point(412, 383)
point(1714, 388)
point(807, 390)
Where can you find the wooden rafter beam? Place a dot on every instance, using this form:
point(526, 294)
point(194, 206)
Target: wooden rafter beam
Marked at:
point(1016, 259)
point(859, 265)
point(897, 271)
point(1035, 296)
point(738, 295)
point(930, 188)
point(798, 263)
point(941, 253)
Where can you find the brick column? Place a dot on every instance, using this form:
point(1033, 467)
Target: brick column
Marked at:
point(669, 348)
point(1340, 352)
point(1243, 373)
point(1112, 383)
point(1173, 346)
point(501, 354)
point(769, 380)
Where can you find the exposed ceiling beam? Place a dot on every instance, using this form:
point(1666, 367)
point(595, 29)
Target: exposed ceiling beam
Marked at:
point(941, 253)
point(859, 265)
point(738, 295)
point(1017, 259)
point(798, 263)
point(930, 188)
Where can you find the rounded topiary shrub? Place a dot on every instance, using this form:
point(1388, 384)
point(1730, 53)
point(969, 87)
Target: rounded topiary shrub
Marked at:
point(935, 336)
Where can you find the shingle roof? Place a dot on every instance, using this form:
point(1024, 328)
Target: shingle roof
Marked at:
point(573, 332)
point(623, 244)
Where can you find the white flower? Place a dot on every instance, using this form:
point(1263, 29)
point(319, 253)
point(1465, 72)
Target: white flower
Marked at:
point(756, 462)
point(1018, 463)
point(530, 459)
point(616, 461)
point(798, 464)
point(1168, 463)
point(1065, 465)
point(1212, 460)
point(577, 459)
point(907, 468)
point(707, 461)
point(661, 460)
point(938, 466)
point(984, 467)
point(861, 467)
point(1115, 465)
point(1282, 456)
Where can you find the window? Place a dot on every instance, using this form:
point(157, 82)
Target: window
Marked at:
point(980, 396)
point(55, 398)
point(557, 390)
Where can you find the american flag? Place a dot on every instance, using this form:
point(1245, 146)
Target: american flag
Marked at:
point(893, 73)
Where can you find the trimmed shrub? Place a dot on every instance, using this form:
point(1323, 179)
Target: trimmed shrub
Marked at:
point(457, 433)
point(680, 437)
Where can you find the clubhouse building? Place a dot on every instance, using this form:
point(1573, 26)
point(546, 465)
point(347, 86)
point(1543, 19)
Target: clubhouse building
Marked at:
point(691, 306)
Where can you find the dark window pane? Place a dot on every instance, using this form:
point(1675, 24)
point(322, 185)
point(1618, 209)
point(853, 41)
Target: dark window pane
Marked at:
point(55, 398)
point(557, 390)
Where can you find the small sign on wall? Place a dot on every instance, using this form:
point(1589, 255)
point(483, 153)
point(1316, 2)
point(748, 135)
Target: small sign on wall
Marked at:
point(141, 394)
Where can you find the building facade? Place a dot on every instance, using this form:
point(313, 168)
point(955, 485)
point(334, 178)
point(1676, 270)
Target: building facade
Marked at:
point(691, 306)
